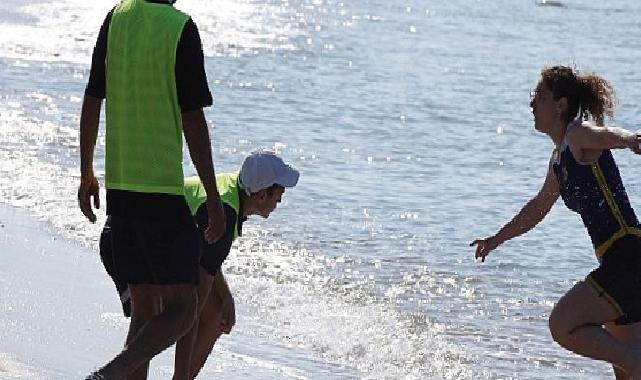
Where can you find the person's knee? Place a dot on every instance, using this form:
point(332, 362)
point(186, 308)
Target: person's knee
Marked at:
point(211, 314)
point(209, 321)
point(557, 323)
point(182, 309)
point(145, 304)
point(204, 288)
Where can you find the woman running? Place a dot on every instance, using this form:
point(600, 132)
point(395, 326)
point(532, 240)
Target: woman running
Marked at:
point(599, 316)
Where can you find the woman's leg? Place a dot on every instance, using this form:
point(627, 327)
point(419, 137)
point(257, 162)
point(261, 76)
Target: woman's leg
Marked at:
point(576, 323)
point(627, 334)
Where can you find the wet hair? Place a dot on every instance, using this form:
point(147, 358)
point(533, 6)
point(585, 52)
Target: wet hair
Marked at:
point(270, 190)
point(589, 92)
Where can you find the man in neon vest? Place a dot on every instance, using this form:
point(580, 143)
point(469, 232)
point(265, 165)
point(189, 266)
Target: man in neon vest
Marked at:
point(148, 65)
point(255, 190)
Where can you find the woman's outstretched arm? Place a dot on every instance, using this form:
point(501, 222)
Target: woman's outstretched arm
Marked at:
point(530, 215)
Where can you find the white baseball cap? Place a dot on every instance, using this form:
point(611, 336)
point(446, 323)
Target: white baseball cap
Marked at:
point(263, 169)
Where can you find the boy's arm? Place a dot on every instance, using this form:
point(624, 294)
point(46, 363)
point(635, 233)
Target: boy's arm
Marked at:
point(220, 286)
point(229, 308)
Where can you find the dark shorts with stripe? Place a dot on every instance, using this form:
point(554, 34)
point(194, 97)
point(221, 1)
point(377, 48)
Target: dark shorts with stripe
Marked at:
point(618, 278)
point(107, 258)
point(146, 252)
point(154, 253)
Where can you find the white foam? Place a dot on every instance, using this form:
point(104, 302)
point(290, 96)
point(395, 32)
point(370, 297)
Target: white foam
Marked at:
point(12, 369)
point(299, 305)
point(66, 30)
point(62, 31)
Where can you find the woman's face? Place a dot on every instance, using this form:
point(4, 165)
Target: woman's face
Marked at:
point(544, 108)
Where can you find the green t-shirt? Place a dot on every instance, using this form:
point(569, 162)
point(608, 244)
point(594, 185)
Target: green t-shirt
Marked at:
point(227, 184)
point(144, 122)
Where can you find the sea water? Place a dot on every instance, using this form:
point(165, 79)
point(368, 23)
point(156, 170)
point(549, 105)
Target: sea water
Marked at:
point(410, 124)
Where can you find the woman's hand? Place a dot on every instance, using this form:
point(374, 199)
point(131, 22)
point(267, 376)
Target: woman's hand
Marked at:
point(635, 142)
point(484, 247)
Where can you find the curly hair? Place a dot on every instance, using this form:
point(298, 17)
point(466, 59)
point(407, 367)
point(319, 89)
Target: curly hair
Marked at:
point(593, 95)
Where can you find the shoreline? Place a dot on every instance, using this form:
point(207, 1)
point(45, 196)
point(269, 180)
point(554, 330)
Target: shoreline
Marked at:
point(60, 317)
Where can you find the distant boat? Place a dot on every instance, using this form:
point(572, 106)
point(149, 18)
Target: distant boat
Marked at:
point(549, 3)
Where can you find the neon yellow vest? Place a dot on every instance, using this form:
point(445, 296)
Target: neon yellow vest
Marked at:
point(227, 184)
point(144, 123)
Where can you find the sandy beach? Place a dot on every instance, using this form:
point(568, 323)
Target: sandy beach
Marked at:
point(60, 318)
point(53, 295)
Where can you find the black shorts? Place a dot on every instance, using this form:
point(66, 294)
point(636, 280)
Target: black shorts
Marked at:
point(213, 255)
point(618, 278)
point(156, 253)
point(107, 258)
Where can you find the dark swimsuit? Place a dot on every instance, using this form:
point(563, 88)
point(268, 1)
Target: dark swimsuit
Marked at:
point(595, 191)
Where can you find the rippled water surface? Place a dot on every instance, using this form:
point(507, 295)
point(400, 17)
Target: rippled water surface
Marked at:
point(410, 124)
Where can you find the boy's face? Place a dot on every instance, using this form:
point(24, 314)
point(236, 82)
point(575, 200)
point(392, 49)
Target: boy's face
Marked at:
point(268, 200)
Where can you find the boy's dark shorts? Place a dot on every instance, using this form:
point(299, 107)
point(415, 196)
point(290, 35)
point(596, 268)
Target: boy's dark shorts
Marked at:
point(154, 253)
point(618, 278)
point(213, 255)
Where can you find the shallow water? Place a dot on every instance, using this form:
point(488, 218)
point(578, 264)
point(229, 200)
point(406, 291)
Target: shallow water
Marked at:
point(411, 127)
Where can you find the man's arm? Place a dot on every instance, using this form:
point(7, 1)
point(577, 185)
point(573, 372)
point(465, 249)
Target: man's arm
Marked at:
point(193, 95)
point(89, 120)
point(197, 137)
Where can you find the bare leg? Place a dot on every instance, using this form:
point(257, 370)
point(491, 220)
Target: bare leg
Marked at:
point(185, 345)
point(208, 332)
point(627, 334)
point(156, 334)
point(146, 308)
point(576, 324)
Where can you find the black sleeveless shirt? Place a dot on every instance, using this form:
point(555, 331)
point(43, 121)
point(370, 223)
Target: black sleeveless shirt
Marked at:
point(595, 191)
